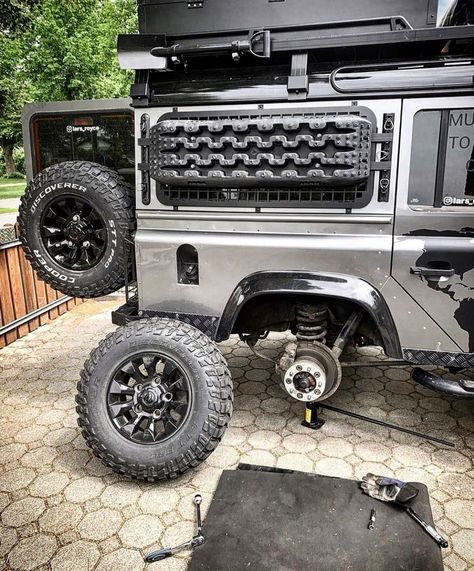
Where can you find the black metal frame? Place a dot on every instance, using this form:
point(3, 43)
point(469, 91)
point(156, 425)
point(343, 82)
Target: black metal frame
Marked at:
point(353, 196)
point(282, 39)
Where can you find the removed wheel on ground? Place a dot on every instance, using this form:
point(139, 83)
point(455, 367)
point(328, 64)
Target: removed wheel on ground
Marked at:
point(76, 222)
point(154, 399)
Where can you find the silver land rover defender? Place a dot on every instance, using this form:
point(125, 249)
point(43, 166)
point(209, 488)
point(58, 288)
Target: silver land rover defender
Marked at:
point(293, 172)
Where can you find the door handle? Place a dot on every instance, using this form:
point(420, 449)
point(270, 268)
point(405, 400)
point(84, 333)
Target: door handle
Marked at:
point(432, 272)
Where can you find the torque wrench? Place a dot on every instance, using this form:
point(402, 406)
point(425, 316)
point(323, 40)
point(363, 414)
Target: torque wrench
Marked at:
point(197, 540)
point(430, 530)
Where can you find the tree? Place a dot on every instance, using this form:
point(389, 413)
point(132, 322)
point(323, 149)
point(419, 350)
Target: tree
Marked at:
point(14, 86)
point(73, 48)
point(55, 50)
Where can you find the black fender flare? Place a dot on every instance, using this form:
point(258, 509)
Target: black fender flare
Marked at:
point(342, 286)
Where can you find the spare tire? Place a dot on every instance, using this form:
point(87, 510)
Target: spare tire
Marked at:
point(76, 224)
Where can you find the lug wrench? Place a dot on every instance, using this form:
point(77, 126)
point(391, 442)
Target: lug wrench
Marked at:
point(197, 540)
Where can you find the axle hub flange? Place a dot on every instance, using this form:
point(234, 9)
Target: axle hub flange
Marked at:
point(305, 380)
point(310, 370)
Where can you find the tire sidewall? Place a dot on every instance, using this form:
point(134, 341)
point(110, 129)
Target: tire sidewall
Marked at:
point(99, 419)
point(48, 191)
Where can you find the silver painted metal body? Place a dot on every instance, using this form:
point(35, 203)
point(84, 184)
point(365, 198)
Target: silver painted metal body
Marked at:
point(366, 243)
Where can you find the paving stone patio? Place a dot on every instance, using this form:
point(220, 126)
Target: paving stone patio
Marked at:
point(62, 510)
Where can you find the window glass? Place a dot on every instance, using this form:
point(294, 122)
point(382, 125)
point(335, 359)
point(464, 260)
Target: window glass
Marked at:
point(424, 157)
point(442, 158)
point(104, 138)
point(458, 181)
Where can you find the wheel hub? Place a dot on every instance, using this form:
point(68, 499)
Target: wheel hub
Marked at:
point(151, 396)
point(76, 231)
point(314, 374)
point(305, 380)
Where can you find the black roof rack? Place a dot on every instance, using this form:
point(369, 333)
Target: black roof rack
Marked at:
point(158, 51)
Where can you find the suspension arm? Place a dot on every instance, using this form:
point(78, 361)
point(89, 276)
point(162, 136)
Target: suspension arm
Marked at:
point(346, 333)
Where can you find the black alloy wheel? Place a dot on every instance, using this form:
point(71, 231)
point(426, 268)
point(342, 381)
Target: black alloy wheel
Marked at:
point(73, 233)
point(154, 398)
point(149, 398)
point(77, 223)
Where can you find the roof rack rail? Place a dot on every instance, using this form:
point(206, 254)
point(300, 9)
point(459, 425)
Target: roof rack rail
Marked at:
point(356, 75)
point(159, 52)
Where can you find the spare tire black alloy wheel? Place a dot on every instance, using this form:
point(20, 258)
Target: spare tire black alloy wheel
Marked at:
point(149, 398)
point(154, 399)
point(73, 233)
point(76, 224)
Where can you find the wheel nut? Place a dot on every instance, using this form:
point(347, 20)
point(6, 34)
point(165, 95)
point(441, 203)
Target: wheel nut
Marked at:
point(76, 218)
point(139, 388)
point(86, 244)
point(137, 408)
point(157, 414)
point(69, 243)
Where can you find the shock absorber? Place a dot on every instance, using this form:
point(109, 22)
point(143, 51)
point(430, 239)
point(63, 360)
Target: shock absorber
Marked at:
point(311, 323)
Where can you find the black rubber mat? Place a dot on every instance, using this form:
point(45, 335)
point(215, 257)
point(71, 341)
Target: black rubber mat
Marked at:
point(285, 521)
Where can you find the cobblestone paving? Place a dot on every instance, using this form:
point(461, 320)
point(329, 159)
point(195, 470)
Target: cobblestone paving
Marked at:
point(61, 509)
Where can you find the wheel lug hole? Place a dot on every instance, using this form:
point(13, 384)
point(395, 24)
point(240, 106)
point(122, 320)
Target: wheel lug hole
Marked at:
point(157, 414)
point(138, 408)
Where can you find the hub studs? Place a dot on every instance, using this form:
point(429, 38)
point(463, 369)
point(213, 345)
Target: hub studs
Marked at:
point(305, 380)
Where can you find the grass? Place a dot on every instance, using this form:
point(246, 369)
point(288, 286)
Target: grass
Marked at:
point(11, 187)
point(7, 210)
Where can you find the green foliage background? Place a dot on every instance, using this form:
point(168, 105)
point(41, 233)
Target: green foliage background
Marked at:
point(59, 50)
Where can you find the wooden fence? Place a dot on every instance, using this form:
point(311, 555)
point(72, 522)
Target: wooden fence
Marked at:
point(26, 302)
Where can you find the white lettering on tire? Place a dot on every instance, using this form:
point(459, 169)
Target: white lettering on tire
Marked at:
point(50, 188)
point(114, 243)
point(52, 271)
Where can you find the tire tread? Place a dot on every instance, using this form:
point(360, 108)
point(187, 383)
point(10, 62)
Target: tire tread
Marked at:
point(119, 194)
point(220, 400)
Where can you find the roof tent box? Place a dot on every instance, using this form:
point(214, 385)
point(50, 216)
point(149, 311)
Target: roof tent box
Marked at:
point(195, 17)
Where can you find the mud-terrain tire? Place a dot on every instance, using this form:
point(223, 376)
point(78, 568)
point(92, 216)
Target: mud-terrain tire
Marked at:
point(76, 223)
point(114, 373)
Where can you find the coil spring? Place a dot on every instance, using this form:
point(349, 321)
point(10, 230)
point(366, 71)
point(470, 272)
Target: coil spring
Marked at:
point(311, 323)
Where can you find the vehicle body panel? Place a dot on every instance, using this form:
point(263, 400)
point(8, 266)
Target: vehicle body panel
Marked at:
point(438, 235)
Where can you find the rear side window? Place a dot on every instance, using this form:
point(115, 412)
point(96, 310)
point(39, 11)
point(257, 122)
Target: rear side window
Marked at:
point(104, 138)
point(442, 158)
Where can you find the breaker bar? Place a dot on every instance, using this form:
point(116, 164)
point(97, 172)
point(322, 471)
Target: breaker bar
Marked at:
point(313, 421)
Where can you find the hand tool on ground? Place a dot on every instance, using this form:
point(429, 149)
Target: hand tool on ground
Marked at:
point(372, 520)
point(400, 493)
point(197, 540)
point(430, 530)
